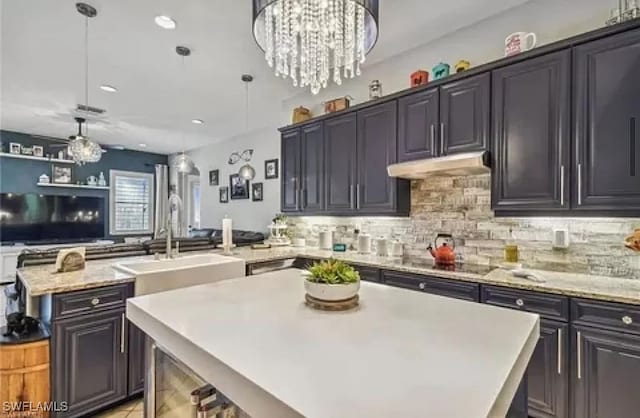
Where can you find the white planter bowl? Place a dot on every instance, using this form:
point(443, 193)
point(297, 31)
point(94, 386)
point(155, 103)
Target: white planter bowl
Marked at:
point(331, 292)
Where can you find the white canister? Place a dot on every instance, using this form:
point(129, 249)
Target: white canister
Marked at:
point(364, 244)
point(325, 240)
point(397, 249)
point(299, 242)
point(382, 247)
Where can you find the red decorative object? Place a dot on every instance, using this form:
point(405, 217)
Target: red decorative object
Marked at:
point(419, 78)
point(443, 254)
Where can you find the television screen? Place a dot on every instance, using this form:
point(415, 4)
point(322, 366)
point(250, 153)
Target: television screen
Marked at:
point(33, 217)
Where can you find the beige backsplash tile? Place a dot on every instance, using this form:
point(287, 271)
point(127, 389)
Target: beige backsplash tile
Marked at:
point(462, 206)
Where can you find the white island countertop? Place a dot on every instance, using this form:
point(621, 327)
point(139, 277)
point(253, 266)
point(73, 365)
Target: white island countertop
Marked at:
point(400, 354)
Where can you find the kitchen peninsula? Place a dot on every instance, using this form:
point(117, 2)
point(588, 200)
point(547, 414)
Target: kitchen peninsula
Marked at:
point(394, 355)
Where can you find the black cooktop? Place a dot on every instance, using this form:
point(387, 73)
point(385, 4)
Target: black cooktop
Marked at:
point(460, 267)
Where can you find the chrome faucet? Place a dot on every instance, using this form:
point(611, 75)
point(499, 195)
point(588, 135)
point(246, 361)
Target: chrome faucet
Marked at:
point(169, 233)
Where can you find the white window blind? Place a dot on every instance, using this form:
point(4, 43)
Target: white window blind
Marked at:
point(131, 203)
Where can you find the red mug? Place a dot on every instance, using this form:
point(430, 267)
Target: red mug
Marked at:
point(519, 42)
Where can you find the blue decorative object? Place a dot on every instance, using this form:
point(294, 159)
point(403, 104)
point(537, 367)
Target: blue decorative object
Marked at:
point(340, 247)
point(441, 70)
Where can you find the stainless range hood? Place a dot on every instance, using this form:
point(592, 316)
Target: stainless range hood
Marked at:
point(451, 165)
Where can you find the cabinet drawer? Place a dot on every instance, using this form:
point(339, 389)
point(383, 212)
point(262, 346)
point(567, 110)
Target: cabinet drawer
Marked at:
point(85, 301)
point(436, 286)
point(547, 306)
point(615, 316)
point(369, 274)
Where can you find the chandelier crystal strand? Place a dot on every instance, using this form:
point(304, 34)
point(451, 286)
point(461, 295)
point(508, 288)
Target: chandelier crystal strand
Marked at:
point(312, 41)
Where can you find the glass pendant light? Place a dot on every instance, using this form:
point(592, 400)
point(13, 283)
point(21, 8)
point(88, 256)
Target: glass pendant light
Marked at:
point(183, 163)
point(247, 172)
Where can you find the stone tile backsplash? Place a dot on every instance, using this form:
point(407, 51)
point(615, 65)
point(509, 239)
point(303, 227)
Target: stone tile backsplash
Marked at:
point(462, 206)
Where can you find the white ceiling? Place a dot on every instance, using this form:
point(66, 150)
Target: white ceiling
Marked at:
point(42, 71)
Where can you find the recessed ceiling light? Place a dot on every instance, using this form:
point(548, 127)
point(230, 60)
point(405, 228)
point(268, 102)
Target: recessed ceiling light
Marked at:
point(108, 88)
point(197, 121)
point(142, 145)
point(165, 22)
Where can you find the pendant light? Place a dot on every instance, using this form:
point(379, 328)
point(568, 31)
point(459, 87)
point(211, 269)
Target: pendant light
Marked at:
point(81, 148)
point(247, 172)
point(183, 163)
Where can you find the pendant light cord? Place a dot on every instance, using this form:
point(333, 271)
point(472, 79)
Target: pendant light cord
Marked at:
point(86, 69)
point(246, 106)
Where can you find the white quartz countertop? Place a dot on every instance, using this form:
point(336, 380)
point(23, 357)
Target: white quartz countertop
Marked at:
point(400, 354)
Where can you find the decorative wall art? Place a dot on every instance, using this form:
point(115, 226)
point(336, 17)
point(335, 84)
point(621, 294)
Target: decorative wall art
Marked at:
point(224, 194)
point(239, 187)
point(214, 177)
point(257, 192)
point(271, 169)
point(60, 174)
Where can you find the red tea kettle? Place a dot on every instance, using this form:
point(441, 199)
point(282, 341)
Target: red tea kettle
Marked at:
point(443, 254)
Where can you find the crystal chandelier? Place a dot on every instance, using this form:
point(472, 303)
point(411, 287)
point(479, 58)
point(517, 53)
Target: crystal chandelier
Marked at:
point(312, 41)
point(81, 148)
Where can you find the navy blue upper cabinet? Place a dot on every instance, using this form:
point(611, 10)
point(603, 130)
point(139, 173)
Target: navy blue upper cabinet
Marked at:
point(290, 183)
point(312, 168)
point(465, 115)
point(607, 123)
point(377, 140)
point(340, 164)
point(418, 125)
point(531, 116)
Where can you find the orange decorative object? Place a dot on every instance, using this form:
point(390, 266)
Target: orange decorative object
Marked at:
point(336, 105)
point(300, 114)
point(419, 78)
point(443, 254)
point(633, 241)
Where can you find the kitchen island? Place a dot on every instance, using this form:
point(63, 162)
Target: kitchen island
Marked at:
point(400, 353)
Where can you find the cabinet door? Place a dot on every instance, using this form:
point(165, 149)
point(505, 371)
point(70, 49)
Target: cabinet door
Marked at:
point(418, 125)
point(377, 148)
point(136, 360)
point(548, 372)
point(607, 118)
point(606, 366)
point(89, 361)
point(464, 115)
point(340, 163)
point(312, 169)
point(290, 183)
point(531, 131)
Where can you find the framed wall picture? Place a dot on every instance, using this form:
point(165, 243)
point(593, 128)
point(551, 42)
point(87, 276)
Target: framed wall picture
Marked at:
point(214, 177)
point(14, 148)
point(271, 169)
point(224, 194)
point(256, 192)
point(239, 187)
point(60, 174)
point(38, 151)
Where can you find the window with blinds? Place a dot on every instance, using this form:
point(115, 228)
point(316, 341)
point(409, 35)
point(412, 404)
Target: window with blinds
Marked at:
point(131, 203)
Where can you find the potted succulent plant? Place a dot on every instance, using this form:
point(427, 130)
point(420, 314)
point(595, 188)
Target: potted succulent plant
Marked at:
point(331, 280)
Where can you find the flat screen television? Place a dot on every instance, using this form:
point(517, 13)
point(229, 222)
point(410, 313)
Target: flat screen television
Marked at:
point(39, 218)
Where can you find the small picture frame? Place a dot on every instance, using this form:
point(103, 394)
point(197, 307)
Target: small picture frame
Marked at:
point(271, 170)
point(27, 150)
point(214, 177)
point(257, 192)
point(15, 148)
point(60, 174)
point(38, 151)
point(224, 194)
point(239, 187)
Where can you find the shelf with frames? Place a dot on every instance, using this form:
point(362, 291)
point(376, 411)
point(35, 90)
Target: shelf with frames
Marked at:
point(73, 186)
point(34, 158)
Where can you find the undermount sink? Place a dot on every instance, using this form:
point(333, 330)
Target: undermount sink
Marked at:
point(154, 276)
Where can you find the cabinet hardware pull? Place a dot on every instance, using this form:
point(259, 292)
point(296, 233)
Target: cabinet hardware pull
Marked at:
point(421, 286)
point(358, 196)
point(559, 350)
point(520, 302)
point(351, 196)
point(442, 138)
point(433, 140)
point(579, 350)
point(632, 146)
point(122, 334)
point(95, 301)
point(562, 185)
point(579, 184)
point(627, 320)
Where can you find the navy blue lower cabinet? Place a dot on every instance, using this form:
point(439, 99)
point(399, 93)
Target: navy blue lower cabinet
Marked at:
point(606, 373)
point(519, 406)
point(437, 286)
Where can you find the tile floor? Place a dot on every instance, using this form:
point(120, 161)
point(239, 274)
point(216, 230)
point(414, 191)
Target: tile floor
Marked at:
point(131, 409)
